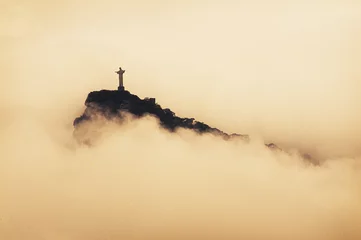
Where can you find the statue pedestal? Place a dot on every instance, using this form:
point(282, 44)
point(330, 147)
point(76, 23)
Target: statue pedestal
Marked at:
point(120, 88)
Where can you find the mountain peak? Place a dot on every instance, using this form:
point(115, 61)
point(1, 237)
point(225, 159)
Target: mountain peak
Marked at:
point(112, 103)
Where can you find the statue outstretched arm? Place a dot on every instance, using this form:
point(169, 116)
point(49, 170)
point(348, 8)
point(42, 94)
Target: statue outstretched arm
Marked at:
point(120, 71)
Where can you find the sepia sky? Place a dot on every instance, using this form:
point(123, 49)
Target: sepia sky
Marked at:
point(245, 64)
point(282, 71)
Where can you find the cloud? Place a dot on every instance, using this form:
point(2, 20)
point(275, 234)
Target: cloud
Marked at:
point(140, 182)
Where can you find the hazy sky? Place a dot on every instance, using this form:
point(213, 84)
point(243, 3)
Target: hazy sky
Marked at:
point(283, 71)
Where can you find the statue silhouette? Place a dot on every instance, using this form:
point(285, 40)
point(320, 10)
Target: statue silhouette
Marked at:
point(120, 73)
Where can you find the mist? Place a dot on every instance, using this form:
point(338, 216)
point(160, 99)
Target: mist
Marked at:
point(286, 72)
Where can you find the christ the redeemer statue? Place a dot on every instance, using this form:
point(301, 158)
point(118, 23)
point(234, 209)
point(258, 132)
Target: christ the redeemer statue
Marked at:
point(120, 73)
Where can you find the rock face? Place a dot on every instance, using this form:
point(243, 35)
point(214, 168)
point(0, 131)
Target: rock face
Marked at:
point(111, 105)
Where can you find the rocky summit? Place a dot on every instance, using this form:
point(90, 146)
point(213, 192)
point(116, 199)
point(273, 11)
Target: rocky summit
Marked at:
point(113, 104)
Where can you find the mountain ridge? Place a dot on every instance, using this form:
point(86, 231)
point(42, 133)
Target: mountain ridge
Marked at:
point(112, 104)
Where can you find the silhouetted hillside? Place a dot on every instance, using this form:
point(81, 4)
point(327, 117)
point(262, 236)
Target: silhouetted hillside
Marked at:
point(113, 104)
